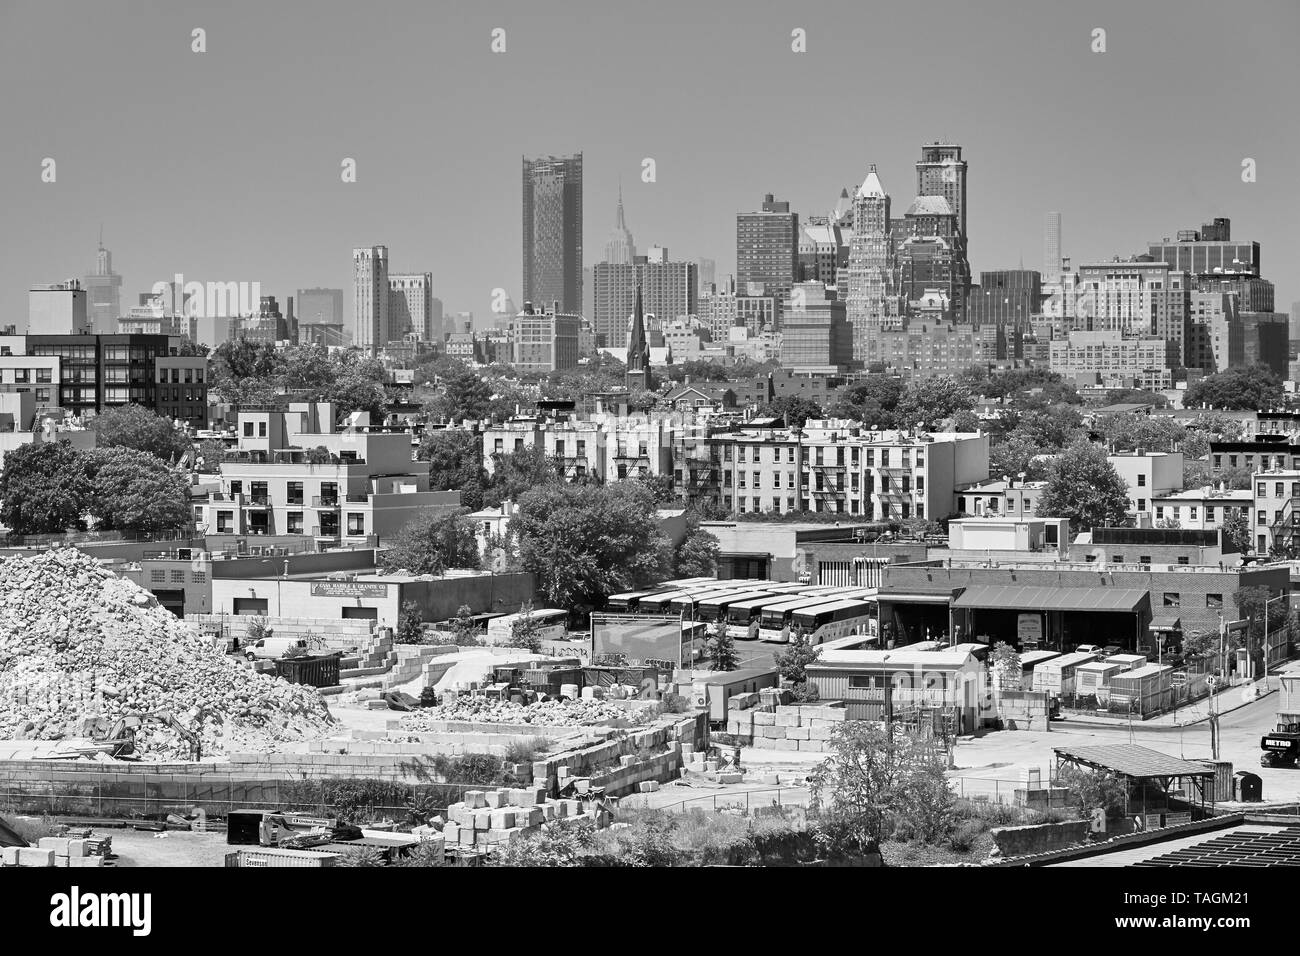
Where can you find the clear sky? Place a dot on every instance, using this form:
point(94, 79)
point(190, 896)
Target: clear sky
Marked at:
point(226, 165)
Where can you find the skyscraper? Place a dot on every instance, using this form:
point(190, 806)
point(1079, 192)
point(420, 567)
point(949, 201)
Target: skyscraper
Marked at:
point(410, 307)
point(1052, 246)
point(103, 293)
point(942, 172)
point(668, 290)
point(767, 249)
point(871, 301)
point(370, 296)
point(552, 231)
point(620, 249)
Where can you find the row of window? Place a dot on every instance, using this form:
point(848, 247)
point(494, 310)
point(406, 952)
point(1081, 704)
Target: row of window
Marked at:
point(294, 524)
point(178, 577)
point(25, 376)
point(867, 509)
point(1279, 489)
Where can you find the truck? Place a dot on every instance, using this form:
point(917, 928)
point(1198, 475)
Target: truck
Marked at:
point(1282, 746)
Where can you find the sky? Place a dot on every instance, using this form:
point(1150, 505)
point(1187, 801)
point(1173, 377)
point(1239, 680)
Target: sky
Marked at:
point(225, 165)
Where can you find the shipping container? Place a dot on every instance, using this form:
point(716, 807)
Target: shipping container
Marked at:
point(274, 857)
point(1145, 690)
point(1057, 675)
point(1093, 679)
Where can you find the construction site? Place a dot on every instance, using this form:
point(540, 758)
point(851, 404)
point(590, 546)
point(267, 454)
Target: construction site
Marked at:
point(122, 725)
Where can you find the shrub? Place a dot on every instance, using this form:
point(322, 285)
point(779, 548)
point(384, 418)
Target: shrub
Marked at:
point(964, 837)
point(429, 697)
point(805, 692)
point(258, 630)
point(360, 856)
point(525, 751)
point(674, 704)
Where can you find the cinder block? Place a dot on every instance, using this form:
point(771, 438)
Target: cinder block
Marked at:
point(787, 745)
point(57, 844)
point(482, 820)
point(535, 817)
point(796, 733)
point(9, 855)
point(451, 833)
point(502, 819)
point(83, 861)
point(475, 799)
point(787, 718)
point(35, 856)
point(764, 719)
point(819, 733)
point(496, 799)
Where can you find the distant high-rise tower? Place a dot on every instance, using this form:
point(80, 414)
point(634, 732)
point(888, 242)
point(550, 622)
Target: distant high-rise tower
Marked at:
point(103, 293)
point(871, 301)
point(552, 233)
point(638, 350)
point(942, 172)
point(370, 294)
point(767, 250)
point(1052, 246)
point(620, 250)
point(410, 307)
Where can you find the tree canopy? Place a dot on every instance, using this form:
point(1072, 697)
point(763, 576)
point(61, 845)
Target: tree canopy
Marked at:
point(1084, 487)
point(136, 427)
point(432, 542)
point(1256, 388)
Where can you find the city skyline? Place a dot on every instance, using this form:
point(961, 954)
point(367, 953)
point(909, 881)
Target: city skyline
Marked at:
point(176, 210)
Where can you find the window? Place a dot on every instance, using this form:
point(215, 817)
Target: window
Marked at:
point(248, 429)
point(1183, 560)
point(1277, 489)
point(44, 377)
point(1214, 600)
point(236, 487)
point(1142, 481)
point(1260, 490)
point(199, 577)
point(178, 577)
point(295, 493)
point(295, 522)
point(157, 577)
point(1144, 559)
point(356, 524)
point(1142, 504)
point(1172, 599)
point(22, 376)
point(1117, 559)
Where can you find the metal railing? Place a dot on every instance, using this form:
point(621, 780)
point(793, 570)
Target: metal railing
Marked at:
point(325, 501)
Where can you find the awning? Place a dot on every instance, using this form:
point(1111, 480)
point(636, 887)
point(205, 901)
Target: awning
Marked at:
point(1165, 621)
point(914, 598)
point(1130, 760)
point(1010, 597)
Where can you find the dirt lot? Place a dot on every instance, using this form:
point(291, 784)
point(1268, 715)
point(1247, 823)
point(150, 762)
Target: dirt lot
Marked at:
point(148, 848)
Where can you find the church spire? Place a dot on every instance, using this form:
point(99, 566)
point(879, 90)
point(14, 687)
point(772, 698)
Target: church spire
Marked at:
point(638, 349)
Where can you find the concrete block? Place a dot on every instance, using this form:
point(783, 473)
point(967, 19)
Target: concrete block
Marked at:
point(482, 820)
point(58, 844)
point(535, 817)
point(787, 745)
point(787, 718)
point(796, 733)
point(35, 856)
point(475, 799)
point(549, 811)
point(84, 861)
point(502, 819)
point(733, 776)
point(764, 719)
point(496, 799)
point(9, 855)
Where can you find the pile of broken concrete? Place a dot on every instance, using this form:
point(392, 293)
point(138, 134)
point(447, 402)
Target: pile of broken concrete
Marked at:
point(81, 647)
point(547, 713)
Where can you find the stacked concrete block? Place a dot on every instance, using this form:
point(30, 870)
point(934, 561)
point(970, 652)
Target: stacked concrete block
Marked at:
point(505, 814)
point(797, 727)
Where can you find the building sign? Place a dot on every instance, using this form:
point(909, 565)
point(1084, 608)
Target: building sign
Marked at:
point(1029, 629)
point(349, 589)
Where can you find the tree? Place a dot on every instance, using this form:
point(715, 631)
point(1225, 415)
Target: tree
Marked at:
point(720, 650)
point(585, 542)
point(872, 401)
point(1236, 530)
point(211, 453)
point(1253, 389)
point(561, 844)
point(1006, 666)
point(432, 542)
point(463, 631)
point(135, 491)
point(928, 403)
point(1135, 396)
point(697, 555)
point(463, 396)
point(44, 487)
point(1154, 433)
point(1015, 456)
point(1084, 487)
point(525, 633)
point(793, 409)
point(410, 621)
point(874, 776)
point(792, 660)
point(517, 471)
point(455, 458)
point(133, 426)
point(1092, 789)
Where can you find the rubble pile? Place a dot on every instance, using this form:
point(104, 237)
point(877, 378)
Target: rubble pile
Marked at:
point(548, 713)
point(81, 647)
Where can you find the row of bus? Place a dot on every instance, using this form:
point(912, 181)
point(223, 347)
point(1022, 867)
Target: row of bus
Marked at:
point(759, 610)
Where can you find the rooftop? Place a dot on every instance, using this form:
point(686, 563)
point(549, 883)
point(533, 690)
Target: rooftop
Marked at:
point(1130, 760)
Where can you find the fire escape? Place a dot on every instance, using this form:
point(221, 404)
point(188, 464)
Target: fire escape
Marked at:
point(1286, 525)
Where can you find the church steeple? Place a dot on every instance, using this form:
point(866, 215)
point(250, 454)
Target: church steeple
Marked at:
point(638, 349)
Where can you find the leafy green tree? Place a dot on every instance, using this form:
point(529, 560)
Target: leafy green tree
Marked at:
point(133, 426)
point(463, 631)
point(211, 452)
point(410, 623)
point(44, 487)
point(586, 542)
point(1237, 531)
point(1084, 487)
point(793, 659)
point(1006, 666)
point(455, 458)
point(1135, 396)
point(660, 488)
point(873, 401)
point(1154, 433)
point(432, 542)
point(1034, 387)
point(518, 471)
point(932, 401)
point(794, 409)
point(697, 555)
point(1256, 389)
point(463, 395)
point(720, 650)
point(1091, 789)
point(135, 491)
point(698, 370)
point(525, 632)
point(1051, 428)
point(1015, 455)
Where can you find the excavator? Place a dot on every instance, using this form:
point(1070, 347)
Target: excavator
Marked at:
point(120, 737)
point(1282, 746)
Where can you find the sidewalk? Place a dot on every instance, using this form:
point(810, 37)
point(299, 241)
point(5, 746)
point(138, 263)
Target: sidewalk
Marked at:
point(1226, 701)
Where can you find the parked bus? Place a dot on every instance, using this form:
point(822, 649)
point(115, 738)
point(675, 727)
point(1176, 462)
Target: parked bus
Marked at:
point(824, 622)
point(743, 616)
point(774, 620)
point(628, 601)
point(713, 608)
point(688, 604)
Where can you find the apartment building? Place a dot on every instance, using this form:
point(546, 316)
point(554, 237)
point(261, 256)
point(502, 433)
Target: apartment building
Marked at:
point(1000, 497)
point(604, 447)
point(839, 467)
point(1202, 509)
point(1111, 360)
point(1277, 511)
point(294, 472)
point(1148, 475)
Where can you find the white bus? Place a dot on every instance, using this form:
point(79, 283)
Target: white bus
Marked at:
point(825, 622)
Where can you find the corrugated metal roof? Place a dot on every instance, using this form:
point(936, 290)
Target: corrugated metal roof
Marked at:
point(1015, 597)
point(1130, 760)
